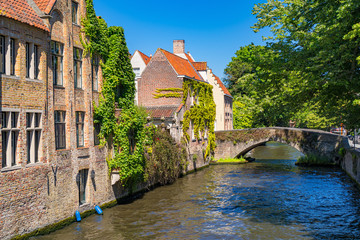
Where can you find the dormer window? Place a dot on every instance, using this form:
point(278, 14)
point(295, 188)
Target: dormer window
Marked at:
point(74, 12)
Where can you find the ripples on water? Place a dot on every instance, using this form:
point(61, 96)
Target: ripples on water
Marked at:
point(266, 199)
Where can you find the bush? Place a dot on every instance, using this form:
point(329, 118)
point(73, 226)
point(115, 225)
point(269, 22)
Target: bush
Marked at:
point(166, 159)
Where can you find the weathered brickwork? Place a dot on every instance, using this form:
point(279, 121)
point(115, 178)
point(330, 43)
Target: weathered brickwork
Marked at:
point(158, 74)
point(41, 193)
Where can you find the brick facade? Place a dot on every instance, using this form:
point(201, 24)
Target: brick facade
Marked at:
point(45, 191)
point(161, 73)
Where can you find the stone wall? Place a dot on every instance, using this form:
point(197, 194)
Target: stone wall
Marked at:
point(351, 164)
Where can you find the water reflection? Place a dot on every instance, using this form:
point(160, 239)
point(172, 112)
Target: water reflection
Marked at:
point(266, 199)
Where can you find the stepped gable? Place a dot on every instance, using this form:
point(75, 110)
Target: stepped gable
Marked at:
point(21, 11)
point(145, 57)
point(182, 66)
point(45, 5)
point(226, 91)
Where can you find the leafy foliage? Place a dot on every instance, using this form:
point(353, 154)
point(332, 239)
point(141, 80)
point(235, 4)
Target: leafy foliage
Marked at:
point(202, 114)
point(126, 134)
point(309, 69)
point(166, 160)
point(320, 40)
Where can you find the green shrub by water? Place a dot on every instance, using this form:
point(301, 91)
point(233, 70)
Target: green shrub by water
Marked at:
point(313, 160)
point(232, 160)
point(165, 160)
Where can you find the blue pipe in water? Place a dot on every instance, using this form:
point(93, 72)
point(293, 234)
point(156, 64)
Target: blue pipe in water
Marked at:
point(98, 209)
point(77, 216)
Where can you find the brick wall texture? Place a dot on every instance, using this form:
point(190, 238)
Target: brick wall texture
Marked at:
point(38, 194)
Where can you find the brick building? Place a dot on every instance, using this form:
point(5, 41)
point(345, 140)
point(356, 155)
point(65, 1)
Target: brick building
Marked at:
point(168, 70)
point(158, 75)
point(51, 165)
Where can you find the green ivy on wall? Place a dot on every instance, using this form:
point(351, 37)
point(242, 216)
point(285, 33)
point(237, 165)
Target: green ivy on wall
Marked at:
point(169, 93)
point(126, 134)
point(201, 114)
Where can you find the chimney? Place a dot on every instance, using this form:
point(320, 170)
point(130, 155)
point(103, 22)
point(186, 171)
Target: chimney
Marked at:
point(178, 46)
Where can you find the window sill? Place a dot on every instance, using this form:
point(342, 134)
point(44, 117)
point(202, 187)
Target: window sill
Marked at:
point(59, 86)
point(95, 91)
point(62, 149)
point(34, 164)
point(77, 25)
point(79, 89)
point(2, 75)
point(12, 168)
point(33, 80)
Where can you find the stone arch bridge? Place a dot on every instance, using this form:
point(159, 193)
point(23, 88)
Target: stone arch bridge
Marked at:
point(233, 143)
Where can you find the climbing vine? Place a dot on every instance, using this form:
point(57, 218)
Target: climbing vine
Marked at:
point(169, 93)
point(126, 134)
point(201, 114)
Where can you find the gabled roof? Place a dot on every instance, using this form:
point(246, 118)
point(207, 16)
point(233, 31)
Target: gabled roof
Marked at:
point(200, 66)
point(222, 86)
point(144, 57)
point(189, 57)
point(161, 111)
point(45, 5)
point(21, 11)
point(182, 66)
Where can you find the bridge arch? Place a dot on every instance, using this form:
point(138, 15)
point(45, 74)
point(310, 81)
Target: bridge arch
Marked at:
point(233, 143)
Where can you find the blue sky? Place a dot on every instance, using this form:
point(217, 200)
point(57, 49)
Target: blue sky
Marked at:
point(213, 30)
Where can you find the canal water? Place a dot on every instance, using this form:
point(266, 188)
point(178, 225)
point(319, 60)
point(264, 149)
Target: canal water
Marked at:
point(270, 198)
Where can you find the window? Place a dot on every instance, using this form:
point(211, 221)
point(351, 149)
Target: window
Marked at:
point(96, 133)
point(80, 129)
point(77, 67)
point(12, 56)
point(94, 73)
point(192, 131)
point(60, 136)
point(2, 54)
point(9, 136)
point(36, 62)
point(74, 12)
point(28, 60)
point(136, 71)
point(33, 133)
point(57, 62)
point(83, 176)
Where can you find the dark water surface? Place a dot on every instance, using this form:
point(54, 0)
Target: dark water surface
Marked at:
point(266, 199)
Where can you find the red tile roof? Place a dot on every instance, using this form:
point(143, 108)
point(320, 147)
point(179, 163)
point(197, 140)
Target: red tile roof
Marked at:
point(21, 11)
point(161, 111)
point(226, 91)
point(182, 66)
point(200, 66)
point(144, 57)
point(189, 57)
point(45, 5)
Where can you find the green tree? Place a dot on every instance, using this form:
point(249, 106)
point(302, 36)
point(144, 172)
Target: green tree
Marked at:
point(320, 39)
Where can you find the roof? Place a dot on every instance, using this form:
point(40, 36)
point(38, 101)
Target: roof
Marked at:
point(200, 66)
point(222, 86)
point(182, 66)
point(144, 57)
point(45, 5)
point(161, 111)
point(21, 11)
point(189, 57)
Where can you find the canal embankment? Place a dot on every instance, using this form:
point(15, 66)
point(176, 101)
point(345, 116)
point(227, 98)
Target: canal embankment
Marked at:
point(351, 164)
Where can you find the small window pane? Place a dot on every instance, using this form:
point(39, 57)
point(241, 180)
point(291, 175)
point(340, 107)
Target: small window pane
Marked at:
point(2, 54)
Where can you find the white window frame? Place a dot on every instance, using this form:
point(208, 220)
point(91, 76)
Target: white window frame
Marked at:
point(33, 136)
point(57, 54)
point(77, 56)
point(11, 129)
